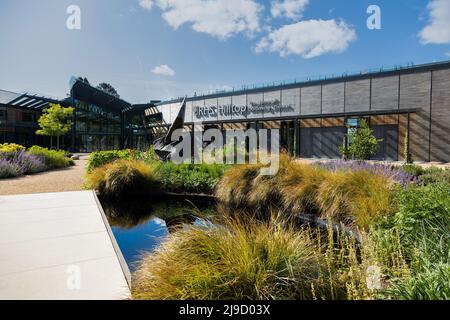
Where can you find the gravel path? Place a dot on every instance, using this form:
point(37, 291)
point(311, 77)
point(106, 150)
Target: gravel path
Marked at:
point(67, 179)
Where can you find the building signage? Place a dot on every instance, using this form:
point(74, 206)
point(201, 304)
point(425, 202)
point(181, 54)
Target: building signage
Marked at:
point(226, 110)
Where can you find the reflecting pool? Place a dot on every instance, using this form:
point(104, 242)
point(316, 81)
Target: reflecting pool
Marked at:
point(140, 225)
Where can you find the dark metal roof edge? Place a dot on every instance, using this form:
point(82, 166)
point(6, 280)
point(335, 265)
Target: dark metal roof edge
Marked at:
point(82, 83)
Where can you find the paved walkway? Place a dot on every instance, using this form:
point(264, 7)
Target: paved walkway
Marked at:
point(67, 179)
point(57, 246)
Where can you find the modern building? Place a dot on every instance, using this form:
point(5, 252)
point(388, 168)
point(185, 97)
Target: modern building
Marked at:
point(315, 116)
point(18, 117)
point(101, 121)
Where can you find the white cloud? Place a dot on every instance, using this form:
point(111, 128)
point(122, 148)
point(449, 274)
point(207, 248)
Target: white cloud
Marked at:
point(438, 29)
point(309, 38)
point(146, 4)
point(160, 222)
point(291, 9)
point(163, 70)
point(218, 18)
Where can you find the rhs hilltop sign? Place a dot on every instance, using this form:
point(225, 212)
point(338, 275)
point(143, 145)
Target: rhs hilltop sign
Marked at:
point(228, 110)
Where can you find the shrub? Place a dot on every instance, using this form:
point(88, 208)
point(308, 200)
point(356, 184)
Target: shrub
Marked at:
point(9, 169)
point(122, 177)
point(423, 220)
point(19, 163)
point(430, 284)
point(100, 158)
point(421, 223)
point(413, 169)
point(201, 178)
point(404, 175)
point(240, 259)
point(434, 175)
point(53, 158)
point(363, 143)
point(11, 147)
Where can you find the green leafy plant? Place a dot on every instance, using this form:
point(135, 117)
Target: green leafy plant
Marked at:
point(406, 150)
point(53, 158)
point(363, 143)
point(55, 121)
point(100, 158)
point(11, 147)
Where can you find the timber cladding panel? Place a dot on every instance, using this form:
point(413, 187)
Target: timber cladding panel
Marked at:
point(333, 98)
point(311, 100)
point(385, 93)
point(440, 117)
point(357, 96)
point(310, 123)
point(415, 93)
point(333, 122)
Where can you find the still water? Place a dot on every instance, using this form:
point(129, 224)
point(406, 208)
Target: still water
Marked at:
point(140, 225)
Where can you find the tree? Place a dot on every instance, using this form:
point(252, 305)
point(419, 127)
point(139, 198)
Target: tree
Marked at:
point(108, 88)
point(363, 143)
point(55, 121)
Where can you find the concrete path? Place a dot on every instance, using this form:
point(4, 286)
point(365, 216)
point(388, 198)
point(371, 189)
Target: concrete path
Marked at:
point(67, 179)
point(57, 246)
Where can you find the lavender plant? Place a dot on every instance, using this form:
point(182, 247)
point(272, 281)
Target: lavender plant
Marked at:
point(393, 172)
point(19, 163)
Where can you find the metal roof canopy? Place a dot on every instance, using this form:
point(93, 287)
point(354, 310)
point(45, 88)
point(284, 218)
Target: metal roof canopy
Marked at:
point(32, 102)
point(85, 92)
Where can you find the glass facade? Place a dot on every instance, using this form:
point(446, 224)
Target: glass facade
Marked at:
point(96, 128)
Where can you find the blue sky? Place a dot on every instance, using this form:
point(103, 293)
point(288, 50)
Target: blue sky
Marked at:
point(168, 48)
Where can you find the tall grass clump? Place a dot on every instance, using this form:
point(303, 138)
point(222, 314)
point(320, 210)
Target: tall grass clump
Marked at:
point(121, 177)
point(351, 196)
point(234, 187)
point(356, 197)
point(238, 259)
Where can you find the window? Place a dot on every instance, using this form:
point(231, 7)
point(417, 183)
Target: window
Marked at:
point(3, 116)
point(28, 117)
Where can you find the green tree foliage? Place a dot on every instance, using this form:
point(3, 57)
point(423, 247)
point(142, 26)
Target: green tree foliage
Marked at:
point(55, 121)
point(363, 143)
point(108, 88)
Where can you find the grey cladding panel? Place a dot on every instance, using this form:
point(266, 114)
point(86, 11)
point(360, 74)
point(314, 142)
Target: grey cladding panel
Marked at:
point(357, 96)
point(272, 104)
point(440, 117)
point(415, 90)
point(333, 98)
point(311, 100)
point(385, 93)
point(290, 98)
